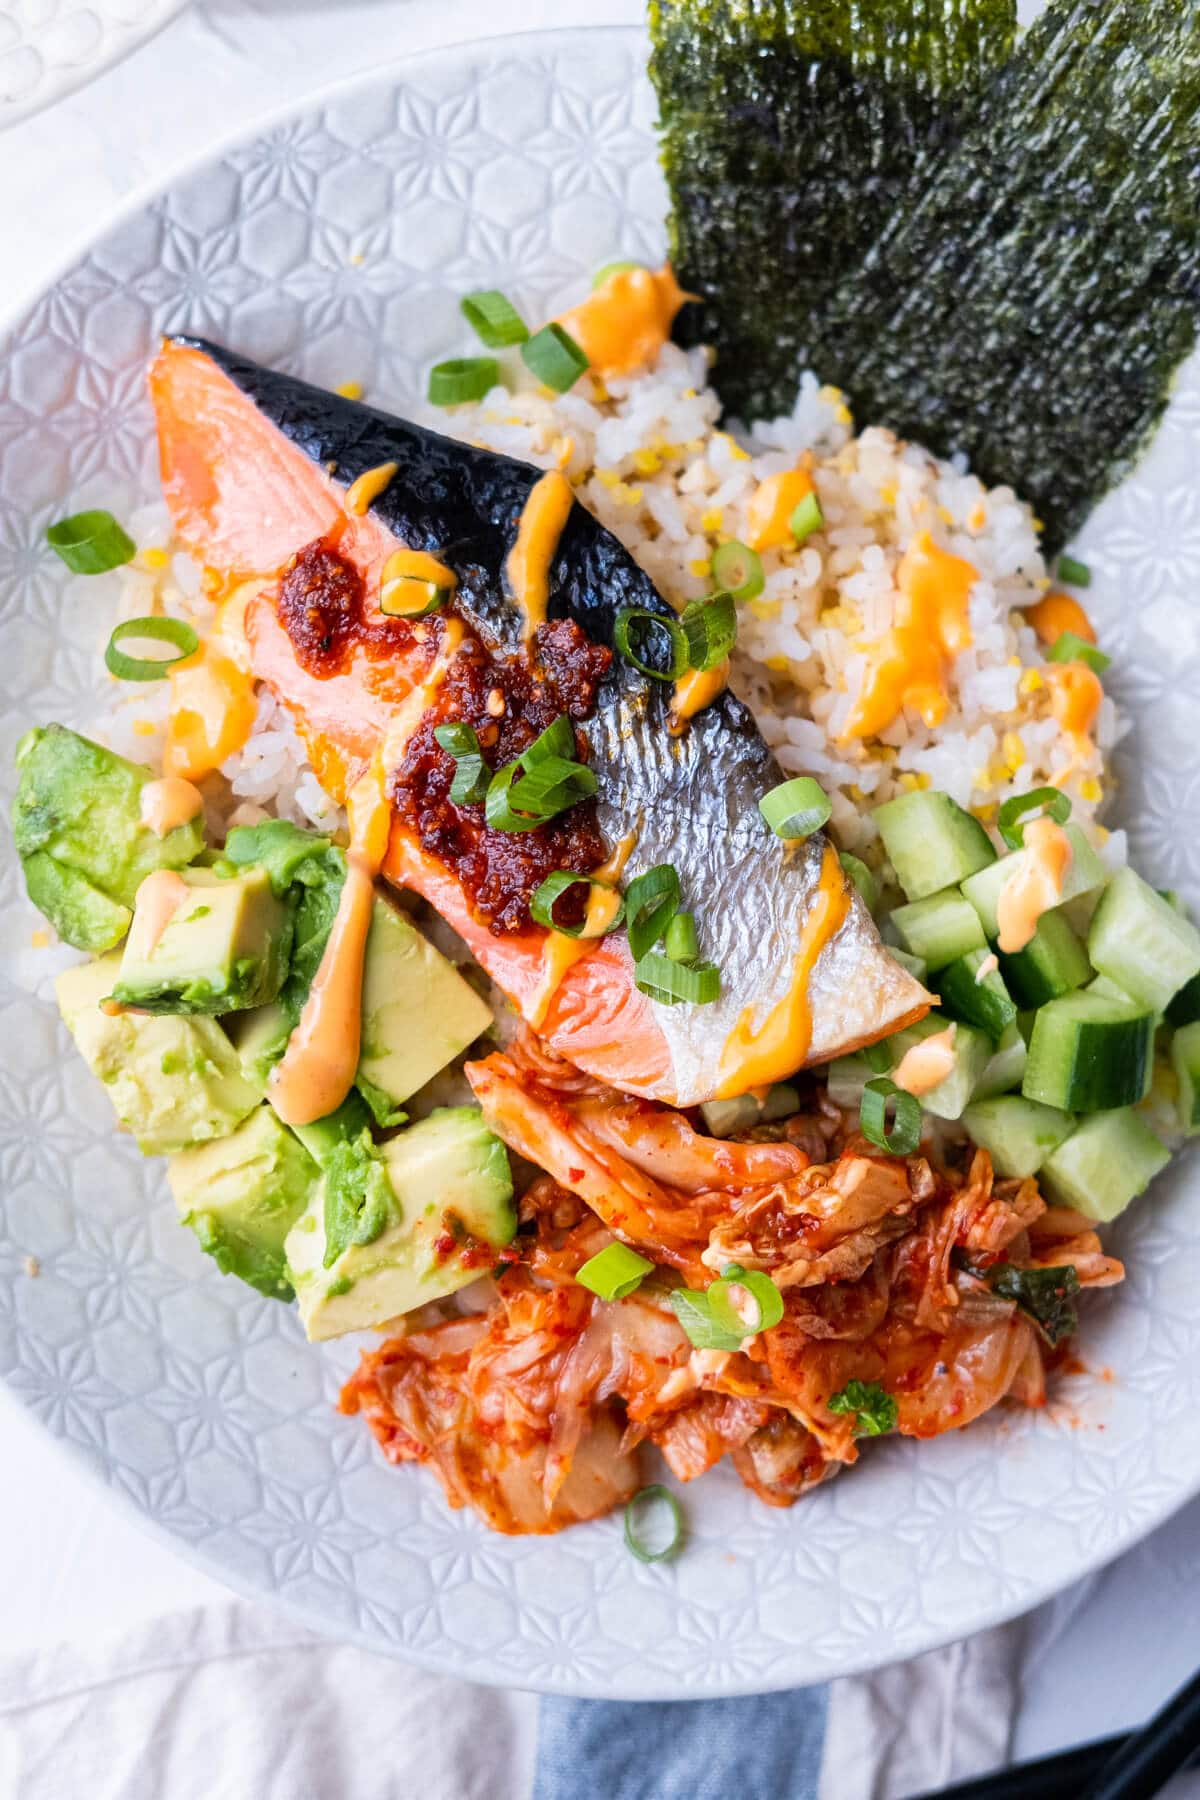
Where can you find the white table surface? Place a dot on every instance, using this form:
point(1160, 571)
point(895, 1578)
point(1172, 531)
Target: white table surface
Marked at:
point(73, 1565)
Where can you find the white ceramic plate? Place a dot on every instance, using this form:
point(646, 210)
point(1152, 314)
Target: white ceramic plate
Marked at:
point(337, 244)
point(50, 47)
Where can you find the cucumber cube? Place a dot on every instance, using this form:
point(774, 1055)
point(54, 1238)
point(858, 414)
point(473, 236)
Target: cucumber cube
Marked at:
point(1018, 1134)
point(1184, 1008)
point(972, 1051)
point(1105, 1163)
point(981, 1000)
point(1089, 1053)
point(1139, 941)
point(932, 842)
point(1005, 1067)
point(940, 928)
point(916, 965)
point(847, 1076)
point(1085, 874)
point(1053, 962)
point(1185, 1060)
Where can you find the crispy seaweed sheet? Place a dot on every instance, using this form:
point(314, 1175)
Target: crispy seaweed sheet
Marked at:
point(789, 134)
point(1033, 282)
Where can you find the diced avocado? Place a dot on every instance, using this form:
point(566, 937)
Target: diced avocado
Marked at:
point(260, 1037)
point(941, 928)
point(972, 1051)
point(1105, 1163)
point(418, 1013)
point(1018, 1134)
point(1005, 1067)
point(1139, 941)
point(173, 1081)
point(225, 947)
point(242, 1194)
point(932, 842)
point(1185, 1060)
point(1084, 875)
point(450, 1207)
point(323, 1136)
point(78, 806)
point(79, 912)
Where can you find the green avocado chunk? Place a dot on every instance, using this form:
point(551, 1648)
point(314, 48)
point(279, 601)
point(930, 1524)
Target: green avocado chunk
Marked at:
point(173, 1081)
point(242, 1194)
point(78, 830)
point(449, 1208)
point(224, 948)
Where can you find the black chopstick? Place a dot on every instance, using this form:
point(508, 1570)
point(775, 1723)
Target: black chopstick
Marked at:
point(1049, 1778)
point(1148, 1758)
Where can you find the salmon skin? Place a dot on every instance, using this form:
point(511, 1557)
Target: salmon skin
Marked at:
point(256, 465)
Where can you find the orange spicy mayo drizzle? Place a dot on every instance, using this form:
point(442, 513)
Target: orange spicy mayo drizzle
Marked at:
point(754, 1059)
point(624, 323)
point(907, 666)
point(159, 898)
point(1035, 885)
point(542, 520)
point(169, 803)
point(213, 707)
point(927, 1064)
point(368, 487)
point(560, 951)
point(318, 1068)
point(694, 691)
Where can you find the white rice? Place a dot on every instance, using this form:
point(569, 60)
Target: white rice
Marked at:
point(646, 455)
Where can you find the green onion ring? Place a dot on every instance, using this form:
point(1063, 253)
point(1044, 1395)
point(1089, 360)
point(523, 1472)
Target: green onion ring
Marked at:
point(541, 906)
point(768, 1301)
point(877, 1057)
point(557, 740)
point(905, 1134)
point(796, 808)
point(613, 268)
point(627, 618)
point(696, 984)
point(1068, 648)
point(91, 543)
point(471, 773)
point(710, 627)
point(1073, 572)
point(1051, 800)
point(614, 1272)
point(550, 787)
point(806, 518)
point(738, 570)
point(680, 942)
point(493, 318)
point(651, 902)
point(149, 668)
point(660, 1497)
point(554, 357)
point(461, 379)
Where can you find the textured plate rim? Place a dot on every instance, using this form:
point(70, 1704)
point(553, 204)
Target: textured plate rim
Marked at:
point(70, 78)
point(398, 71)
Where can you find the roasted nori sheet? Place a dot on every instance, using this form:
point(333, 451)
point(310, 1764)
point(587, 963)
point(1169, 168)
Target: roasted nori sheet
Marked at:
point(789, 134)
point(1032, 284)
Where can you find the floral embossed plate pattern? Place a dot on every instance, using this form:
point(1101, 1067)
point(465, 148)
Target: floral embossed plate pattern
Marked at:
point(50, 47)
point(337, 244)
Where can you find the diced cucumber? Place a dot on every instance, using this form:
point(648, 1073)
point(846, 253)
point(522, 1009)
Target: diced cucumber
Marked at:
point(1053, 962)
point(1018, 1134)
point(972, 1051)
point(1139, 941)
point(940, 928)
point(932, 842)
point(724, 1117)
point(984, 1002)
point(1184, 1008)
point(1105, 1163)
point(1089, 1053)
point(1085, 873)
point(1005, 1066)
point(847, 1076)
point(1185, 1060)
point(916, 965)
point(862, 878)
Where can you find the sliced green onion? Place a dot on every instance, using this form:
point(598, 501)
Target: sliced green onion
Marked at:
point(1074, 573)
point(653, 1524)
point(767, 1299)
point(694, 1313)
point(613, 268)
point(671, 982)
point(877, 1057)
point(1067, 648)
point(557, 740)
point(461, 379)
point(149, 668)
point(1053, 801)
point(554, 357)
point(408, 597)
point(550, 787)
point(614, 1272)
point(905, 1134)
point(541, 906)
point(710, 627)
point(806, 518)
point(862, 878)
point(494, 318)
point(680, 941)
point(471, 774)
point(738, 569)
point(651, 902)
point(90, 543)
point(797, 808)
point(623, 625)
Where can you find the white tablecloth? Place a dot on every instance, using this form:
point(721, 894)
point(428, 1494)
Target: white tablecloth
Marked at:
point(72, 1565)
